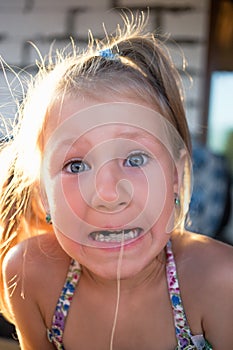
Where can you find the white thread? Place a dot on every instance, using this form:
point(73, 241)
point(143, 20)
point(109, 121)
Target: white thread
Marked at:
point(118, 291)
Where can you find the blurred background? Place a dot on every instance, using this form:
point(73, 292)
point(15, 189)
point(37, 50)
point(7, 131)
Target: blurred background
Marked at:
point(201, 31)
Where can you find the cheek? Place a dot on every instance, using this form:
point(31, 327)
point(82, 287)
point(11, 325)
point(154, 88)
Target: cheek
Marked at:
point(67, 209)
point(168, 213)
point(64, 196)
point(74, 196)
point(160, 203)
point(160, 186)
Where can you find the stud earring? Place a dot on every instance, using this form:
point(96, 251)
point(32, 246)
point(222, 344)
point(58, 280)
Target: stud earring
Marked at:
point(48, 219)
point(176, 199)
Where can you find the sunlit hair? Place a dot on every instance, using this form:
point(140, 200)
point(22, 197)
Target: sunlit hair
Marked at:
point(141, 69)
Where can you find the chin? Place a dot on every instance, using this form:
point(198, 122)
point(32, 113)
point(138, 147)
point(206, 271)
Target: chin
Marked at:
point(108, 263)
point(114, 271)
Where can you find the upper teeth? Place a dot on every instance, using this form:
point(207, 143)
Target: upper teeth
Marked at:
point(116, 236)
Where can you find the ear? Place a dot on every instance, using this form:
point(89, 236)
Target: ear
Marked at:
point(179, 170)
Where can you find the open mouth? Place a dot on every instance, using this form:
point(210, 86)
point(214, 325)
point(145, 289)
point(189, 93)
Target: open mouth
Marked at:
point(115, 236)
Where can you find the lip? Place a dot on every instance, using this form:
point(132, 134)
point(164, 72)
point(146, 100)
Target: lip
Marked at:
point(113, 238)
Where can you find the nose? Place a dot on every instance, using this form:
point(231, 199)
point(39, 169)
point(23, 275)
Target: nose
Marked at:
point(112, 189)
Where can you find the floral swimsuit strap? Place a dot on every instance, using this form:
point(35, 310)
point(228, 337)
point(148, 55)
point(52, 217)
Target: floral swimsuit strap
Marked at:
point(55, 335)
point(186, 341)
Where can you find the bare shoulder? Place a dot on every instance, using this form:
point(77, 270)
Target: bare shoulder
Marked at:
point(205, 270)
point(204, 261)
point(33, 263)
point(30, 265)
point(204, 252)
point(33, 274)
point(199, 246)
point(33, 253)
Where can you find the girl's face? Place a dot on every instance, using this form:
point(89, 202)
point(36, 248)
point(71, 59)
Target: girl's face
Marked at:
point(110, 178)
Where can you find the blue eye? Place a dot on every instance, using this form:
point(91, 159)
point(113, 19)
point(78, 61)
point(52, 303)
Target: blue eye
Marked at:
point(136, 160)
point(76, 167)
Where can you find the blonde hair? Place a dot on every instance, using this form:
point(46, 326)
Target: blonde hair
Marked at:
point(140, 67)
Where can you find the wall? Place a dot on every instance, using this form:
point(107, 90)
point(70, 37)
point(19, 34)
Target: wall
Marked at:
point(42, 22)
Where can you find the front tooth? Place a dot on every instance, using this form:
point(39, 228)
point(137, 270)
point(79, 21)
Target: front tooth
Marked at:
point(119, 238)
point(131, 234)
point(127, 236)
point(112, 237)
point(96, 237)
point(101, 237)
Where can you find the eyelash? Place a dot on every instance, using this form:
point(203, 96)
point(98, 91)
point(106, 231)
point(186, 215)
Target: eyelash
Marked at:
point(70, 163)
point(144, 157)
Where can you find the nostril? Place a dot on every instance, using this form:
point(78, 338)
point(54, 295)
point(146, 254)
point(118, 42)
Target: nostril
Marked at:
point(113, 206)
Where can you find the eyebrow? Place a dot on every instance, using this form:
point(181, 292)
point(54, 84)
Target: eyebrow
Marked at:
point(135, 134)
point(125, 134)
point(140, 135)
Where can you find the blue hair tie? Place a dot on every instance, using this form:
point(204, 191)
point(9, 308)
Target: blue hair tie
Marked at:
point(108, 54)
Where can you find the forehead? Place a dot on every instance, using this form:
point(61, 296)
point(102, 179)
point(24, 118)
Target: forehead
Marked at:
point(89, 120)
point(77, 116)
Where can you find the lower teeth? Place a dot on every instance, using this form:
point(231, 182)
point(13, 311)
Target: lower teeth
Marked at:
point(116, 237)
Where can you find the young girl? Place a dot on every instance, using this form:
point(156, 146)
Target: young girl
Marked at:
point(95, 185)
